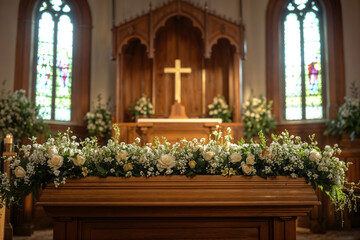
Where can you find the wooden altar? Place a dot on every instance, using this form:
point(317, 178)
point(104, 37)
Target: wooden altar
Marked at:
point(174, 131)
point(176, 207)
point(210, 49)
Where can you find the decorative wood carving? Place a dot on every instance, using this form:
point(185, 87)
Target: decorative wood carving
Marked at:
point(178, 30)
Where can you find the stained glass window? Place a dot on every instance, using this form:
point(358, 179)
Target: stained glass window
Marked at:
point(303, 72)
point(54, 57)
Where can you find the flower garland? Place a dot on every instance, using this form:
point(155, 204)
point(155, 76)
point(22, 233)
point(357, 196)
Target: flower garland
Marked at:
point(63, 157)
point(220, 109)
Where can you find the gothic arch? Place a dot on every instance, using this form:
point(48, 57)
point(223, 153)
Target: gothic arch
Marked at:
point(334, 56)
point(82, 46)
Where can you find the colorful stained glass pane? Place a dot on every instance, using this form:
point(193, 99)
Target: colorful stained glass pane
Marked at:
point(290, 7)
point(293, 106)
point(44, 70)
point(312, 60)
point(43, 6)
point(64, 69)
point(300, 2)
point(54, 62)
point(56, 4)
point(314, 7)
point(66, 8)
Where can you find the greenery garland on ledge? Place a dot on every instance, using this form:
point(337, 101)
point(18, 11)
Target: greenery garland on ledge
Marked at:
point(63, 157)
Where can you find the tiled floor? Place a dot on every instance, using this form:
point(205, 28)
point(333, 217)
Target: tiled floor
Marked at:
point(302, 234)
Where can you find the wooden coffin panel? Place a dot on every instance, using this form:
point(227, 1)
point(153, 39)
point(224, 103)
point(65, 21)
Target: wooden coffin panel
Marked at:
point(172, 228)
point(176, 207)
point(248, 196)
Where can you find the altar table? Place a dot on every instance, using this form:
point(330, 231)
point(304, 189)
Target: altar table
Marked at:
point(177, 207)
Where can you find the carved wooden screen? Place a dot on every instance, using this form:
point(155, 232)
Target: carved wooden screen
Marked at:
point(210, 46)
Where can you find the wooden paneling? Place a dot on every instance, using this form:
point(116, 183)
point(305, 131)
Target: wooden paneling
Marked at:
point(137, 75)
point(218, 74)
point(178, 39)
point(130, 131)
point(172, 228)
point(179, 30)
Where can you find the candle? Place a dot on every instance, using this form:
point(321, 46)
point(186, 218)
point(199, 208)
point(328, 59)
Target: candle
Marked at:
point(8, 141)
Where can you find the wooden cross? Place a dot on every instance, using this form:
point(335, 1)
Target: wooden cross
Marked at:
point(178, 71)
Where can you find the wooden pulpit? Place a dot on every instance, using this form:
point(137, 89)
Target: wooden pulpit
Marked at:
point(177, 207)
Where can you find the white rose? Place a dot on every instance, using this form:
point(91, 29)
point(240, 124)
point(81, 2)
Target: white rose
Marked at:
point(235, 157)
point(250, 159)
point(20, 172)
point(55, 162)
point(79, 160)
point(166, 162)
point(122, 155)
point(52, 151)
point(208, 155)
point(314, 156)
point(247, 170)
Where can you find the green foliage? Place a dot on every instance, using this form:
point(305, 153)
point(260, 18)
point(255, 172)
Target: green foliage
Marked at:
point(348, 117)
point(257, 117)
point(19, 116)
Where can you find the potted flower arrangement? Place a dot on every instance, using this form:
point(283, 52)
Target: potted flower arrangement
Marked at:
point(142, 107)
point(19, 116)
point(99, 120)
point(348, 117)
point(257, 117)
point(220, 109)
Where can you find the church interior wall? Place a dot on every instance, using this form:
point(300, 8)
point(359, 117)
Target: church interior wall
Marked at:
point(8, 29)
point(351, 23)
point(103, 70)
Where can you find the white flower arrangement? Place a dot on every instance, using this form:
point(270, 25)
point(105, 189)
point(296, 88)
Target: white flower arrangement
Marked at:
point(142, 107)
point(220, 109)
point(19, 116)
point(99, 120)
point(348, 117)
point(257, 117)
point(63, 157)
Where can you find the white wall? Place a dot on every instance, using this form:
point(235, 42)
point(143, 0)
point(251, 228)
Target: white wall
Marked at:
point(254, 71)
point(103, 69)
point(351, 23)
point(8, 28)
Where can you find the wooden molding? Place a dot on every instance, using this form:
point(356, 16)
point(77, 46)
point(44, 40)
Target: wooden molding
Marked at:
point(212, 28)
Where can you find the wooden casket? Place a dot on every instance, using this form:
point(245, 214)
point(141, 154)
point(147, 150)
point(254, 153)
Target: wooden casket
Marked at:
point(177, 207)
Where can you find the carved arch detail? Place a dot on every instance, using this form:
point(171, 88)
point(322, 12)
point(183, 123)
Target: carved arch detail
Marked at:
point(211, 27)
